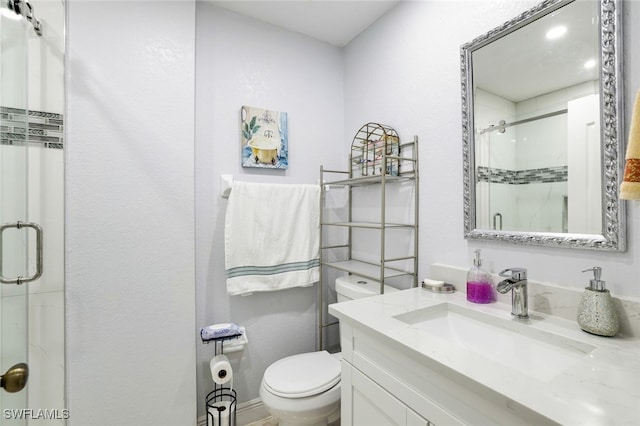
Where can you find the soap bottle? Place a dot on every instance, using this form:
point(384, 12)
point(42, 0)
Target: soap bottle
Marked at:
point(480, 287)
point(596, 313)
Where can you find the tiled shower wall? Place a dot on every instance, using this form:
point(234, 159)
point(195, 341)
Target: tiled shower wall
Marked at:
point(544, 187)
point(44, 128)
point(522, 177)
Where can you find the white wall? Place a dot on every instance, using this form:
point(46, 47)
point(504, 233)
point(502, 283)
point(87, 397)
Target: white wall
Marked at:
point(130, 213)
point(241, 61)
point(415, 87)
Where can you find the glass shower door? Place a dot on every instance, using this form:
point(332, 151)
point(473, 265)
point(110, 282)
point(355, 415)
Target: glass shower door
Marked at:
point(16, 241)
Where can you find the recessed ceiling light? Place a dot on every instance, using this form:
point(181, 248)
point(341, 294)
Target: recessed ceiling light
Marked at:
point(556, 32)
point(590, 64)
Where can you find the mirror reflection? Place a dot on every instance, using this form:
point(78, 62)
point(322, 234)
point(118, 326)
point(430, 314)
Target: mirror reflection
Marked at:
point(533, 128)
point(533, 118)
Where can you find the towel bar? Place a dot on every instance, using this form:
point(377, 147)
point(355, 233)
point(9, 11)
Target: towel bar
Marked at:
point(225, 185)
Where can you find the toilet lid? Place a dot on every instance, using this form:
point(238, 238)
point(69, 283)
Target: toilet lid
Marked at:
point(303, 375)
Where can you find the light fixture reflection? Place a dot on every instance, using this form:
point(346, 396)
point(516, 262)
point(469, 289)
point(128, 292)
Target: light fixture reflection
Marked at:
point(10, 14)
point(590, 64)
point(556, 32)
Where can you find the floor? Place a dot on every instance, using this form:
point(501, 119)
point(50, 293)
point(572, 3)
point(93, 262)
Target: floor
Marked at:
point(269, 421)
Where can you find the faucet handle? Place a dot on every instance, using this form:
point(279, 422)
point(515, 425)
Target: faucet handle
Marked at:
point(516, 273)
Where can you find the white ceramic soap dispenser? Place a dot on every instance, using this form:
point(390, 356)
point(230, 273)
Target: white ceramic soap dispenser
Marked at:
point(596, 313)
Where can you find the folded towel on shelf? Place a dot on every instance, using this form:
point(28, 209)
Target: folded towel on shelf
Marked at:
point(219, 331)
point(272, 237)
point(630, 187)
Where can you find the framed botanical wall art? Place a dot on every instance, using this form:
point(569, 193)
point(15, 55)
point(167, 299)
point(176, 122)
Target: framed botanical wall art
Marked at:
point(264, 138)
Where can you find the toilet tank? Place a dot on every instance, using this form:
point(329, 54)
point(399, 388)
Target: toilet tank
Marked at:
point(351, 287)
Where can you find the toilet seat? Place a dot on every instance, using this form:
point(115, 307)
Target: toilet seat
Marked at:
point(302, 375)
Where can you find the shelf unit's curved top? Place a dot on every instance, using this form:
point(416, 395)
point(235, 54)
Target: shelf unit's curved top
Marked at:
point(374, 151)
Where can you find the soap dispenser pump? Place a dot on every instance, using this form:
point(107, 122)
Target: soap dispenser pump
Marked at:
point(480, 287)
point(596, 313)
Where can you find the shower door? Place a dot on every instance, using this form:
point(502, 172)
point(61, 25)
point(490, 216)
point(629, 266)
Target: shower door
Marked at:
point(17, 245)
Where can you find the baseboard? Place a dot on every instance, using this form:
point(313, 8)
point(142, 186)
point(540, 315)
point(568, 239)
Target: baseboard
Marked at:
point(246, 413)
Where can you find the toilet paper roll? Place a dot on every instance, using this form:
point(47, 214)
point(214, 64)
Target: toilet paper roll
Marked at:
point(221, 370)
point(220, 413)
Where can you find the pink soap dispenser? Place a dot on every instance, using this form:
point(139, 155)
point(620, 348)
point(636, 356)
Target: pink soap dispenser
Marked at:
point(480, 288)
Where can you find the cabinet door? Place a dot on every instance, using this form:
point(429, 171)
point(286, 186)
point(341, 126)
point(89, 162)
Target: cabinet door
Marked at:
point(415, 419)
point(365, 403)
point(374, 406)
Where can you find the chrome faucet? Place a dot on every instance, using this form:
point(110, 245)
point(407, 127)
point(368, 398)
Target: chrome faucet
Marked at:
point(516, 282)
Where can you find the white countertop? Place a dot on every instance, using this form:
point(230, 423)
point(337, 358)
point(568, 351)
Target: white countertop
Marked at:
point(602, 388)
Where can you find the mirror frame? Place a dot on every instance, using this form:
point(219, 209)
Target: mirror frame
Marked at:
point(613, 237)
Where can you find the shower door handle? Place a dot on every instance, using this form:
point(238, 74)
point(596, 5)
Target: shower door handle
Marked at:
point(15, 379)
point(38, 274)
point(497, 216)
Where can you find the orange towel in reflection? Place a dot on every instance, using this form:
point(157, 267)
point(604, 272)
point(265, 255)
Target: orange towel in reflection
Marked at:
point(630, 187)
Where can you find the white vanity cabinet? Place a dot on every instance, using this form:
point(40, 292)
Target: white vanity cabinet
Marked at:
point(416, 357)
point(383, 384)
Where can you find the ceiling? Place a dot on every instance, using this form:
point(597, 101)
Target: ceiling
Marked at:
point(333, 21)
point(524, 64)
point(516, 67)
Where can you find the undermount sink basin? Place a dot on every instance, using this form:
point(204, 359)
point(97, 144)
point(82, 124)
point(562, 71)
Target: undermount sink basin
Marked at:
point(511, 342)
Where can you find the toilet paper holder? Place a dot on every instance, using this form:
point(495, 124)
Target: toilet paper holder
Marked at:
point(221, 401)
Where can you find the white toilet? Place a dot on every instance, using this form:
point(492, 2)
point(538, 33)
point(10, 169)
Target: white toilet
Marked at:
point(304, 389)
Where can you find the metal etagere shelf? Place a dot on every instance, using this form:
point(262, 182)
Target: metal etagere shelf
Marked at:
point(377, 158)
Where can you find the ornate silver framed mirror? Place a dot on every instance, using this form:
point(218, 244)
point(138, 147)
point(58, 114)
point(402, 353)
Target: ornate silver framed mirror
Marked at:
point(542, 128)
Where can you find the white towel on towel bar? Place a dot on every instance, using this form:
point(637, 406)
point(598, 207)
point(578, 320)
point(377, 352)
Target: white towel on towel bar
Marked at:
point(271, 237)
